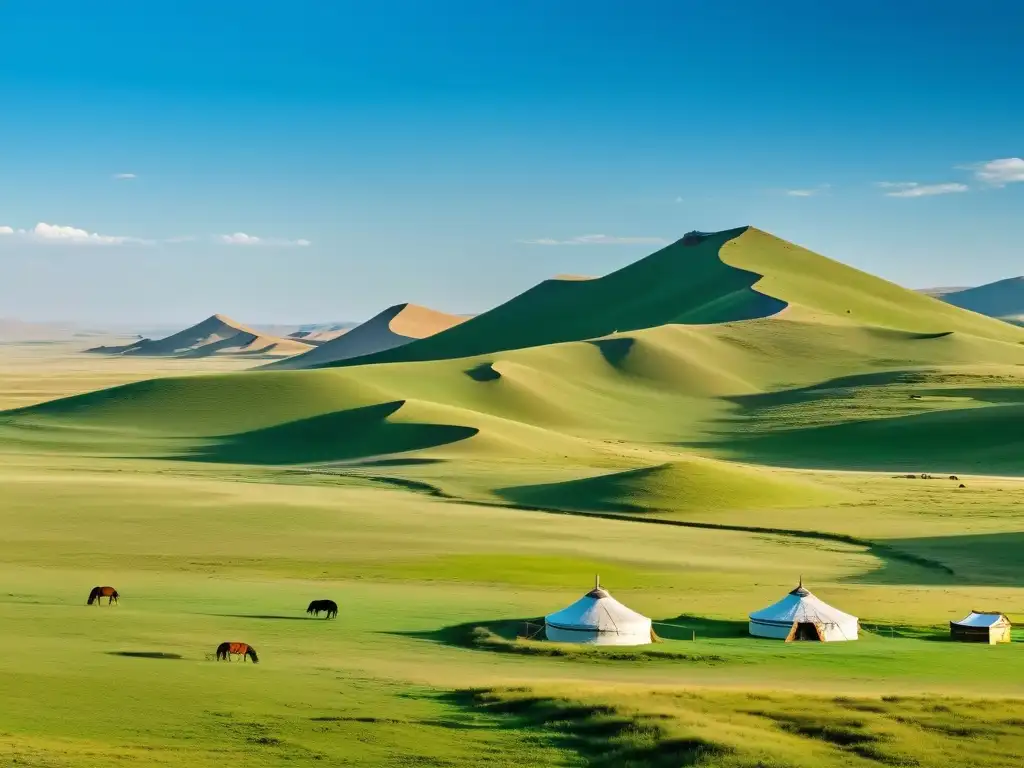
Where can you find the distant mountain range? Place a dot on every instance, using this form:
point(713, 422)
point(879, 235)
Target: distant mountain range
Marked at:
point(216, 335)
point(306, 346)
point(1003, 299)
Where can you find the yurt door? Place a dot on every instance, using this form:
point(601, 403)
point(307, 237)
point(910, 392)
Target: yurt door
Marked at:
point(806, 631)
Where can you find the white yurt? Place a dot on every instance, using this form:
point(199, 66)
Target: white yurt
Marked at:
point(802, 616)
point(600, 619)
point(990, 627)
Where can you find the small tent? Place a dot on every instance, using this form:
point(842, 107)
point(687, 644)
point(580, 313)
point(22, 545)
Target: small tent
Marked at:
point(981, 627)
point(600, 619)
point(802, 616)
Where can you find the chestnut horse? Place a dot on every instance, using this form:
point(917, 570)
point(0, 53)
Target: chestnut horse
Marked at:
point(227, 650)
point(108, 592)
point(323, 605)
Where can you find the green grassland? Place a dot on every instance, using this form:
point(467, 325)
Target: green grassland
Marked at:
point(701, 428)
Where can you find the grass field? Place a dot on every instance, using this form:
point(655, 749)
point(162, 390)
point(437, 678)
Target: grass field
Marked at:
point(701, 467)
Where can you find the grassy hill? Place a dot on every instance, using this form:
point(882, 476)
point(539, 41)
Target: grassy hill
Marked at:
point(738, 346)
point(738, 274)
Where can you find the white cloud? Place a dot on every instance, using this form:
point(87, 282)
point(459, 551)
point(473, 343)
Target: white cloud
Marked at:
point(599, 240)
point(124, 176)
point(56, 233)
point(679, 199)
point(999, 173)
point(915, 189)
point(241, 238)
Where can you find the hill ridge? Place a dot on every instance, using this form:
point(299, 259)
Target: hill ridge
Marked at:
point(217, 334)
point(393, 327)
point(703, 278)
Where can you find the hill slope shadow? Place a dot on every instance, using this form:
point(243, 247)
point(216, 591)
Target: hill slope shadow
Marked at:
point(338, 436)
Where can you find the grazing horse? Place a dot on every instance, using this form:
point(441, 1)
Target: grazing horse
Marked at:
point(323, 605)
point(227, 650)
point(108, 592)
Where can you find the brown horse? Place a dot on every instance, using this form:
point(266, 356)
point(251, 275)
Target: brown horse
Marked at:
point(108, 592)
point(227, 650)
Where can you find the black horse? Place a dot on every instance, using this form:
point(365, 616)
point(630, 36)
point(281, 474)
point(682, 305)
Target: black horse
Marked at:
point(323, 605)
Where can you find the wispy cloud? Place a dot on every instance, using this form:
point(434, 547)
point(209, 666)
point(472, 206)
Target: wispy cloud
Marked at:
point(241, 238)
point(916, 189)
point(124, 176)
point(58, 234)
point(999, 173)
point(598, 240)
point(808, 191)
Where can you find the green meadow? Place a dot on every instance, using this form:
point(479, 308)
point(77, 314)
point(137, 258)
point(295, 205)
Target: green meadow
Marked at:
point(702, 429)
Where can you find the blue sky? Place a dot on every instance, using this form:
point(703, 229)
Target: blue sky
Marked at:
point(317, 160)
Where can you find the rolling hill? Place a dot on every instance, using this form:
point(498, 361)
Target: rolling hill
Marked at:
point(633, 390)
point(739, 274)
point(216, 335)
point(394, 327)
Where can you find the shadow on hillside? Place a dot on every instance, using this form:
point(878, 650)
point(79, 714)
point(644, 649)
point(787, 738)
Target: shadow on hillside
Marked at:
point(483, 373)
point(145, 655)
point(959, 441)
point(462, 635)
point(614, 351)
point(601, 493)
point(343, 435)
point(825, 389)
point(603, 735)
point(400, 461)
point(261, 616)
point(990, 560)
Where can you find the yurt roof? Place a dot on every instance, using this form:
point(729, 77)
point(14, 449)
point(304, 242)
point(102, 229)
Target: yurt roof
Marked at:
point(801, 605)
point(982, 619)
point(597, 611)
